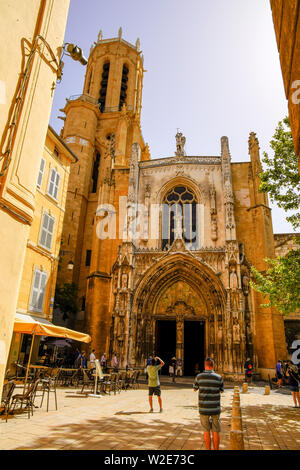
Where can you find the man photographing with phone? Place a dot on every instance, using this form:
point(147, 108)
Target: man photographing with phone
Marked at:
point(153, 382)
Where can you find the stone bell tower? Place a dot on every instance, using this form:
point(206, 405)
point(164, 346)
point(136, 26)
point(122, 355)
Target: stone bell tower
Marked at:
point(101, 126)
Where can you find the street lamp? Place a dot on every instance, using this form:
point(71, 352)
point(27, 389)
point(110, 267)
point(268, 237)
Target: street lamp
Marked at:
point(75, 52)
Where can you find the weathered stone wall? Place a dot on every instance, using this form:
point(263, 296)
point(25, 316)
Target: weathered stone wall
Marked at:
point(286, 17)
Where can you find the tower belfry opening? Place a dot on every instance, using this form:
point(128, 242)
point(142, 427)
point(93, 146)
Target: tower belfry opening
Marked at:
point(103, 89)
point(123, 92)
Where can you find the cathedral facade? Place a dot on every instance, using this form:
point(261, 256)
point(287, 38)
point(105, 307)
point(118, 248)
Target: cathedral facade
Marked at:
point(162, 248)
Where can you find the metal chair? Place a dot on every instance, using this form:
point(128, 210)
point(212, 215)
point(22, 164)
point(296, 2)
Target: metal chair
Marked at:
point(6, 397)
point(135, 383)
point(88, 380)
point(112, 384)
point(122, 380)
point(49, 386)
point(26, 397)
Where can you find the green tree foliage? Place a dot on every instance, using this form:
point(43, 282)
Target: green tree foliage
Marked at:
point(281, 282)
point(281, 177)
point(66, 299)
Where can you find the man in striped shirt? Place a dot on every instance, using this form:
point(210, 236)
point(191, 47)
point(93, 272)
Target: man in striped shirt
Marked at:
point(210, 385)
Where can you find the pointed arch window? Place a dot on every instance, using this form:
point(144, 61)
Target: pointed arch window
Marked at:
point(179, 217)
point(103, 89)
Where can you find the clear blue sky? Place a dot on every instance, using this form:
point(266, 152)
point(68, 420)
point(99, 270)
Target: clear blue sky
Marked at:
point(212, 70)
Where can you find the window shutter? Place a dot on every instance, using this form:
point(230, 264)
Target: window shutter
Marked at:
point(47, 231)
point(41, 172)
point(53, 183)
point(56, 185)
point(38, 290)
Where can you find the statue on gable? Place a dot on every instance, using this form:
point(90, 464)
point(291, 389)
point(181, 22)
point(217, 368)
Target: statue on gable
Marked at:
point(180, 142)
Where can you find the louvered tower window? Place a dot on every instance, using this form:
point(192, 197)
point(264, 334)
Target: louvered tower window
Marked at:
point(123, 92)
point(103, 89)
point(95, 173)
point(179, 218)
point(89, 82)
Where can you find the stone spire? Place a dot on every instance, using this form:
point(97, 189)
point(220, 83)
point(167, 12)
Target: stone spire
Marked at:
point(254, 153)
point(256, 169)
point(227, 190)
point(120, 33)
point(100, 36)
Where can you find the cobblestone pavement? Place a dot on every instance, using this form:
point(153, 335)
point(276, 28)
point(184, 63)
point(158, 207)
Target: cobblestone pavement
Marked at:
point(122, 422)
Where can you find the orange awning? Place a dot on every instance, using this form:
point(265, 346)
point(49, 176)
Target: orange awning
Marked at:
point(31, 325)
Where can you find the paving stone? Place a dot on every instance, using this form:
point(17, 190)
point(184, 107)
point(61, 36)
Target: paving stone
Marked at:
point(122, 422)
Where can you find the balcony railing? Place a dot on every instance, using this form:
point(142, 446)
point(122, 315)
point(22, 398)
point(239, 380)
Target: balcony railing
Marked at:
point(91, 99)
point(83, 97)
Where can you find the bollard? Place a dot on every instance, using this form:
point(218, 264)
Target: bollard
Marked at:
point(236, 423)
point(245, 387)
point(236, 388)
point(236, 400)
point(236, 410)
point(236, 440)
point(267, 390)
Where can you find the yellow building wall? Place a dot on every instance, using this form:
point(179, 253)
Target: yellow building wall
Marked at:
point(37, 256)
point(20, 24)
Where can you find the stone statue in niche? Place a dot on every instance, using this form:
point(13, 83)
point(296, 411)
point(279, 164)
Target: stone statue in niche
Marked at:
point(214, 229)
point(233, 283)
point(236, 332)
point(179, 332)
point(220, 333)
point(120, 332)
point(124, 281)
point(246, 283)
point(212, 193)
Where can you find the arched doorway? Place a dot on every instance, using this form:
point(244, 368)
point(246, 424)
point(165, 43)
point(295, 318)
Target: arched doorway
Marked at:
point(178, 309)
point(180, 314)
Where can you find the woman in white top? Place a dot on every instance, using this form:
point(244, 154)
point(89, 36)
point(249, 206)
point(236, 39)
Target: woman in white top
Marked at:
point(92, 359)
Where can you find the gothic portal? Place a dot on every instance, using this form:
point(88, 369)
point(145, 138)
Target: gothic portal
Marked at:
point(162, 248)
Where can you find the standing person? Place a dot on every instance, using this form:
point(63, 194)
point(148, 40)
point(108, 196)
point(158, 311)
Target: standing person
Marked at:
point(77, 359)
point(172, 368)
point(179, 367)
point(153, 382)
point(279, 372)
point(92, 359)
point(149, 361)
point(103, 362)
point(210, 385)
point(294, 380)
point(82, 360)
point(115, 363)
point(248, 366)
